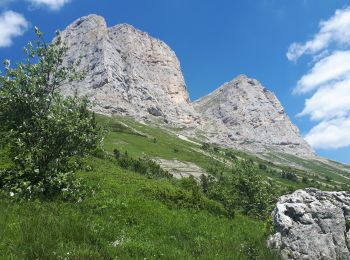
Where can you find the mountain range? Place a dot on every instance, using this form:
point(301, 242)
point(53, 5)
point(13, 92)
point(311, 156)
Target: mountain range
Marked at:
point(130, 73)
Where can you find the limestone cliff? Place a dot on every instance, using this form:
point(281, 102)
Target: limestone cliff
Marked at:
point(128, 72)
point(244, 114)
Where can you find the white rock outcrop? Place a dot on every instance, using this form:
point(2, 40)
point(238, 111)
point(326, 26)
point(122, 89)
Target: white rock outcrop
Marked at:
point(128, 72)
point(311, 224)
point(244, 114)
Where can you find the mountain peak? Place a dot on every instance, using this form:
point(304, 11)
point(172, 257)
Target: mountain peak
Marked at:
point(243, 113)
point(129, 72)
point(91, 21)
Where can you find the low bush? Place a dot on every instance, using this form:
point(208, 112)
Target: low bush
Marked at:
point(243, 190)
point(144, 166)
point(289, 176)
point(188, 195)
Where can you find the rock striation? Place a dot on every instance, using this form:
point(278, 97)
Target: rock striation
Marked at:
point(128, 72)
point(244, 114)
point(311, 224)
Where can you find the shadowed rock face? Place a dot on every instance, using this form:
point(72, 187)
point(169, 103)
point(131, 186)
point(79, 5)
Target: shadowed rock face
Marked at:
point(128, 72)
point(311, 224)
point(243, 113)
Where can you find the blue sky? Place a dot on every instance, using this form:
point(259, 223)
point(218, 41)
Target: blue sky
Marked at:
point(217, 40)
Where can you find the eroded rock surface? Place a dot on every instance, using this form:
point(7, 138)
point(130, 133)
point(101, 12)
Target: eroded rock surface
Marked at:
point(311, 224)
point(244, 114)
point(181, 169)
point(128, 72)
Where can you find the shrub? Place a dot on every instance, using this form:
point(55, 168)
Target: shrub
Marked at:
point(262, 166)
point(289, 176)
point(305, 179)
point(243, 190)
point(188, 195)
point(47, 134)
point(216, 149)
point(255, 196)
point(205, 146)
point(144, 166)
point(328, 178)
point(230, 155)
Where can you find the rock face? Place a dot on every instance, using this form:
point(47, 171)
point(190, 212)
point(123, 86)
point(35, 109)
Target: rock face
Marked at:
point(128, 72)
point(244, 114)
point(311, 224)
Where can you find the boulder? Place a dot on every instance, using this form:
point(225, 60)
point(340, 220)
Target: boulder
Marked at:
point(312, 224)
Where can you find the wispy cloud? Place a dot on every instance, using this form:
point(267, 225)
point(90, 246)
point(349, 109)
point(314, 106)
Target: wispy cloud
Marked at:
point(328, 80)
point(53, 5)
point(12, 24)
point(335, 30)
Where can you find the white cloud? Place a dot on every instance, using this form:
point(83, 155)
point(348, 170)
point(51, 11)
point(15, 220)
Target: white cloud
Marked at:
point(335, 30)
point(328, 80)
point(12, 24)
point(330, 134)
point(51, 4)
point(329, 102)
point(334, 67)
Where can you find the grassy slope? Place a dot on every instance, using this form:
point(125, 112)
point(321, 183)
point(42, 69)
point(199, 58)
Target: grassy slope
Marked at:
point(124, 212)
point(137, 145)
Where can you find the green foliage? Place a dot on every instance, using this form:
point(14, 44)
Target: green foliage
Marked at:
point(256, 196)
point(144, 166)
point(305, 179)
point(205, 146)
point(328, 178)
point(229, 154)
point(122, 221)
point(46, 134)
point(187, 195)
point(289, 176)
point(262, 166)
point(245, 190)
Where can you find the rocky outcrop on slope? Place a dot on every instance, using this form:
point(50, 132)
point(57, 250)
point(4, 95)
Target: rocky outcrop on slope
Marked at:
point(311, 224)
point(244, 114)
point(128, 72)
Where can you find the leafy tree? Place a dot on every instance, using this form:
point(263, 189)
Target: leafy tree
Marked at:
point(255, 196)
point(244, 190)
point(47, 134)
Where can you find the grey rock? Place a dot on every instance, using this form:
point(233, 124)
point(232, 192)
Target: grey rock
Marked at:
point(244, 114)
point(131, 73)
point(128, 72)
point(181, 169)
point(311, 224)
